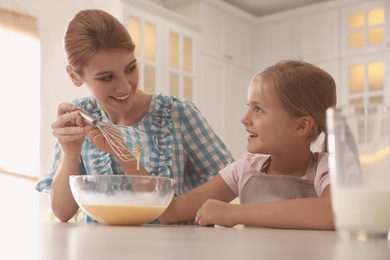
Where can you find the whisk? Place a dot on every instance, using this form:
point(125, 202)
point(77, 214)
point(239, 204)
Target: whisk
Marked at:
point(119, 137)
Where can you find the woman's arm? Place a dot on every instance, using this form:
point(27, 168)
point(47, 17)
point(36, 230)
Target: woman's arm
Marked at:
point(62, 202)
point(184, 207)
point(70, 134)
point(306, 213)
point(206, 151)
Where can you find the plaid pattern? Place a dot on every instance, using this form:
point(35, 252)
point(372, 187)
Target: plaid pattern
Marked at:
point(181, 145)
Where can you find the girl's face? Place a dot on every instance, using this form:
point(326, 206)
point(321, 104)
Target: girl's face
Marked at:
point(112, 78)
point(269, 126)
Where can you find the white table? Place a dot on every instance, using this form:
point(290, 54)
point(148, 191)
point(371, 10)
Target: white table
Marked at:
point(70, 241)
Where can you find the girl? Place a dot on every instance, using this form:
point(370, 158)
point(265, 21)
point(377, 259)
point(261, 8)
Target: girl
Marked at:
point(280, 182)
point(180, 145)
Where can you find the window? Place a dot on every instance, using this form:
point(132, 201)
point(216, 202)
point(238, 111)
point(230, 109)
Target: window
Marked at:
point(19, 95)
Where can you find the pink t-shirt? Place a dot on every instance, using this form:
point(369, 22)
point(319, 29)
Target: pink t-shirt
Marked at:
point(237, 174)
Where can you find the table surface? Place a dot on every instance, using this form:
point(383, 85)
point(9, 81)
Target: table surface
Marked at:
point(52, 240)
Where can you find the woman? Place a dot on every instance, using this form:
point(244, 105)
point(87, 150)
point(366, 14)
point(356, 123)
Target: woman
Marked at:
point(180, 145)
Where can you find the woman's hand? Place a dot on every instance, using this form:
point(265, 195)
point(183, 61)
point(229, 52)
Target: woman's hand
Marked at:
point(102, 142)
point(68, 128)
point(215, 212)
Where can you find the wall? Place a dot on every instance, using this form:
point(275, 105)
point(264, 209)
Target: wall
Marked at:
point(53, 16)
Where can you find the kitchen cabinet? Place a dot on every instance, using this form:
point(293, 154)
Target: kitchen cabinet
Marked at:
point(277, 41)
point(226, 51)
point(333, 68)
point(365, 51)
point(365, 79)
point(365, 28)
point(165, 49)
point(224, 98)
point(319, 36)
point(225, 36)
point(312, 38)
point(349, 39)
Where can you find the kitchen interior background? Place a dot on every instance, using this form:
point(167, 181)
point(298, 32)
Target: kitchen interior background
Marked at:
point(204, 50)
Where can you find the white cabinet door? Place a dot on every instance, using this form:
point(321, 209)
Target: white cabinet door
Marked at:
point(365, 79)
point(310, 38)
point(165, 52)
point(226, 37)
point(234, 107)
point(223, 99)
point(211, 22)
point(319, 36)
point(238, 42)
point(333, 68)
point(365, 28)
point(277, 41)
point(210, 91)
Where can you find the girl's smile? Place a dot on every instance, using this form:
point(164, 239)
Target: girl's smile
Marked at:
point(251, 135)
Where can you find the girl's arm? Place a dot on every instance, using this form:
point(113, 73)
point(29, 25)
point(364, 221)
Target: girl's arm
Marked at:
point(306, 213)
point(184, 207)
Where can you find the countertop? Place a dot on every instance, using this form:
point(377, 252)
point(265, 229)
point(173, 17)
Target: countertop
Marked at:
point(53, 240)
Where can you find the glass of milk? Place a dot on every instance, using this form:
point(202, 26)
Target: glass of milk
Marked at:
point(359, 162)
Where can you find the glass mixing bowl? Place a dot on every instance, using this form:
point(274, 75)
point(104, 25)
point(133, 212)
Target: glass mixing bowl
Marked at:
point(122, 200)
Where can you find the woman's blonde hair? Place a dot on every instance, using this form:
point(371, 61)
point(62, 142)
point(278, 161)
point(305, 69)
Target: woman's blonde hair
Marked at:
point(92, 31)
point(303, 89)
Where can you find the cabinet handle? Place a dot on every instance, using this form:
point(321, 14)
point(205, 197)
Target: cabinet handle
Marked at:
point(228, 57)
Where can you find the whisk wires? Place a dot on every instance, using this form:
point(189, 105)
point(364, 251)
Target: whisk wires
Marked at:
point(122, 139)
point(125, 141)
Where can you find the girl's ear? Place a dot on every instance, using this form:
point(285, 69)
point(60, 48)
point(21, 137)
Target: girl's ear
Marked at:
point(305, 124)
point(74, 77)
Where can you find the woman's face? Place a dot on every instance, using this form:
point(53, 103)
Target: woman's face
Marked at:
point(269, 126)
point(112, 78)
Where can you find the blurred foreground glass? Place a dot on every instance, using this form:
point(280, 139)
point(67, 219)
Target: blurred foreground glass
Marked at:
point(359, 161)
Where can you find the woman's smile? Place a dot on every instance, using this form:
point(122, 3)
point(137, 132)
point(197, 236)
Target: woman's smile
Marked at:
point(121, 99)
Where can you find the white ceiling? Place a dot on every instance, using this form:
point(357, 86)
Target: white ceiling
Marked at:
point(264, 7)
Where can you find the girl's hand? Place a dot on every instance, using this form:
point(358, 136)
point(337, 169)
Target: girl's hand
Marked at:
point(215, 212)
point(69, 130)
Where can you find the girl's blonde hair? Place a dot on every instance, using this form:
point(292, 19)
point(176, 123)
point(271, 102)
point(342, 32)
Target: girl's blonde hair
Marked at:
point(92, 31)
point(303, 89)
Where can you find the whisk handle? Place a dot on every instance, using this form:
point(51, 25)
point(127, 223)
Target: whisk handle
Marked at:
point(87, 118)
